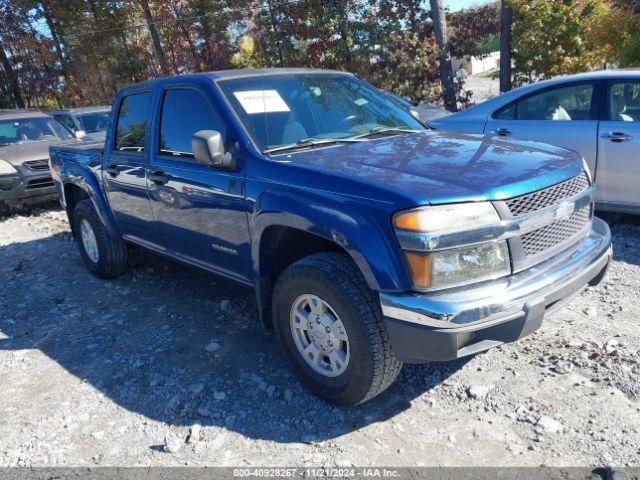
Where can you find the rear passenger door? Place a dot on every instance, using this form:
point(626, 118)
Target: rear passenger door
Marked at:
point(125, 168)
point(564, 115)
point(199, 210)
point(618, 179)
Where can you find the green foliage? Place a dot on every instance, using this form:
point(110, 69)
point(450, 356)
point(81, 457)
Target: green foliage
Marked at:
point(491, 44)
point(475, 31)
point(620, 34)
point(80, 52)
point(552, 38)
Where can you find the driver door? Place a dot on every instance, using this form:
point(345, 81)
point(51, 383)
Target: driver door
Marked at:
point(564, 115)
point(199, 210)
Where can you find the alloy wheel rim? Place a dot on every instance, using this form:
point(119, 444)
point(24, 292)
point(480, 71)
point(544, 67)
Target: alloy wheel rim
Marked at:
point(89, 242)
point(319, 335)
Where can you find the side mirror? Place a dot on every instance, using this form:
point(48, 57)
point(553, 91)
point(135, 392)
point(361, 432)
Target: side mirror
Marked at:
point(208, 148)
point(79, 134)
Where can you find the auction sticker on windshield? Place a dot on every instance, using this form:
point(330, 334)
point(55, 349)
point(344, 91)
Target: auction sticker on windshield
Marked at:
point(261, 101)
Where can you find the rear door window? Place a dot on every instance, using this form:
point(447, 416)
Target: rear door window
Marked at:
point(624, 101)
point(132, 121)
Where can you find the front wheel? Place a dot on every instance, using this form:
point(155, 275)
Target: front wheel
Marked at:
point(331, 328)
point(103, 256)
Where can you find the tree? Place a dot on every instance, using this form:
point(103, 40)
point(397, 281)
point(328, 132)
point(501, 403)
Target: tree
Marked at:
point(472, 30)
point(446, 71)
point(506, 19)
point(12, 79)
point(154, 35)
point(552, 38)
point(619, 33)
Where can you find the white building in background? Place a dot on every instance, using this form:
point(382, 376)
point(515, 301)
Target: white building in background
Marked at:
point(477, 65)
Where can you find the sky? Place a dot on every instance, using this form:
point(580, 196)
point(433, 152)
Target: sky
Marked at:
point(455, 5)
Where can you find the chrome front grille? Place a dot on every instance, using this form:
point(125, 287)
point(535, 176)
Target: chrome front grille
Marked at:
point(37, 165)
point(548, 237)
point(547, 196)
point(559, 230)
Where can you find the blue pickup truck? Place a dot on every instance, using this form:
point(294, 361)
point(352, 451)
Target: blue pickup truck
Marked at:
point(369, 239)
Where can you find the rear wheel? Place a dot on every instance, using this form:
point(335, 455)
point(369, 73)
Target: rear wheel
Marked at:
point(331, 328)
point(103, 256)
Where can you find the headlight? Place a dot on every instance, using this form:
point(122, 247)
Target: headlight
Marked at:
point(436, 269)
point(6, 168)
point(441, 218)
point(459, 266)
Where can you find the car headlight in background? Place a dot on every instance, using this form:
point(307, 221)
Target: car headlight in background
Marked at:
point(6, 168)
point(9, 176)
point(450, 267)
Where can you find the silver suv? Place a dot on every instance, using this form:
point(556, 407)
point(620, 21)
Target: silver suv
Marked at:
point(25, 137)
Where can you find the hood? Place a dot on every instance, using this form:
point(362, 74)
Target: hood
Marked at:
point(19, 153)
point(441, 167)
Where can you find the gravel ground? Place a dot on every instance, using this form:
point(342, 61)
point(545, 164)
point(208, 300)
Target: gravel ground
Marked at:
point(169, 366)
point(483, 87)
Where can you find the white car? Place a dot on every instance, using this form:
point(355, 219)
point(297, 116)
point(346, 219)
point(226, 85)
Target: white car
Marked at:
point(596, 114)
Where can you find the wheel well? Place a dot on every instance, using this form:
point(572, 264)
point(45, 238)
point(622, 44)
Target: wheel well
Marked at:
point(280, 247)
point(72, 195)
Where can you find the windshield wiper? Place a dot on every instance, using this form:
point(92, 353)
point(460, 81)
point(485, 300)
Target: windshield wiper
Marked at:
point(385, 131)
point(311, 142)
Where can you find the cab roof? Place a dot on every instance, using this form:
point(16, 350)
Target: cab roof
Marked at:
point(238, 73)
point(21, 113)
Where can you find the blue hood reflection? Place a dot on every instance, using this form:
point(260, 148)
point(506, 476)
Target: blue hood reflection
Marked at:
point(441, 167)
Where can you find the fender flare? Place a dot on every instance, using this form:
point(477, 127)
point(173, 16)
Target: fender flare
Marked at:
point(362, 237)
point(81, 177)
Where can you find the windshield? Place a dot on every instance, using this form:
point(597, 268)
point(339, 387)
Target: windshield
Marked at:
point(32, 129)
point(95, 121)
point(279, 110)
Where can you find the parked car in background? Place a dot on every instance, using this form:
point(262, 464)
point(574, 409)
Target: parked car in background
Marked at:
point(422, 111)
point(88, 122)
point(25, 138)
point(596, 114)
point(369, 239)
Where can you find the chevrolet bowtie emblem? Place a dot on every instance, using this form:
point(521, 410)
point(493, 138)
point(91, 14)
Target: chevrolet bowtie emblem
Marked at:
point(564, 211)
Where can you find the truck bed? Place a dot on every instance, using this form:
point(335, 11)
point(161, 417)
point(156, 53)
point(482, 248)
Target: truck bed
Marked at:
point(86, 153)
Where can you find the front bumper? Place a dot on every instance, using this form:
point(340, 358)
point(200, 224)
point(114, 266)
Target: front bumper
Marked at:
point(450, 325)
point(27, 187)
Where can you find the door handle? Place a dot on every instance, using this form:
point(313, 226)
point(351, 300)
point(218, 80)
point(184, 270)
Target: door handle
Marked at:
point(501, 131)
point(158, 177)
point(616, 137)
point(112, 170)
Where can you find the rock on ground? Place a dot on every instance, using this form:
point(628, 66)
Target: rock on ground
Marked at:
point(117, 373)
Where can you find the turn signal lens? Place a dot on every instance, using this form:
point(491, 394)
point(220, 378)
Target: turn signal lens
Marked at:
point(420, 269)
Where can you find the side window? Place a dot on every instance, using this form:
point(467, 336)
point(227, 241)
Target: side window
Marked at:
point(624, 101)
point(558, 104)
point(132, 121)
point(67, 121)
point(184, 112)
point(506, 113)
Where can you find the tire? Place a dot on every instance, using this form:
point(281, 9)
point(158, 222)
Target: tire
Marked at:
point(4, 210)
point(109, 257)
point(371, 365)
